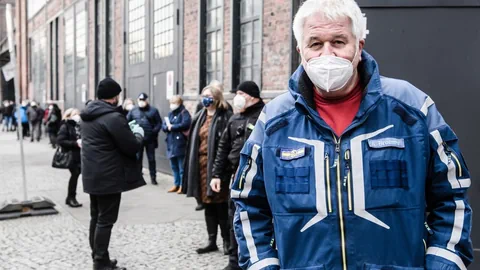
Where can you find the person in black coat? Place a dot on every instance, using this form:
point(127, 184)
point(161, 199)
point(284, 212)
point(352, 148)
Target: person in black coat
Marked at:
point(149, 119)
point(109, 165)
point(68, 138)
point(249, 105)
point(179, 121)
point(207, 128)
point(54, 120)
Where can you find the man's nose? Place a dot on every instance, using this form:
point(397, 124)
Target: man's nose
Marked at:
point(327, 49)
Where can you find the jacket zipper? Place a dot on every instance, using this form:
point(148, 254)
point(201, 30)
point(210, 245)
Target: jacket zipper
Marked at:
point(340, 205)
point(451, 154)
point(329, 193)
point(244, 174)
point(348, 179)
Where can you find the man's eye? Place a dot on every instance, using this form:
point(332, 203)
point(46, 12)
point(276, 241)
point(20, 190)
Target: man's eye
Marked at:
point(339, 42)
point(316, 44)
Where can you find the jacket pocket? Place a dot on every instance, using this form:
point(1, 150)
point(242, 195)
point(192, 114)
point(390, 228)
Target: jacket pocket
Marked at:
point(292, 180)
point(369, 266)
point(317, 267)
point(388, 174)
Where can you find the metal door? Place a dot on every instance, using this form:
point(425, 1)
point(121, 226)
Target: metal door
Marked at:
point(434, 45)
point(153, 49)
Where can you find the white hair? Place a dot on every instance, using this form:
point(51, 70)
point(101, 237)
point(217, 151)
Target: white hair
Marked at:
point(333, 10)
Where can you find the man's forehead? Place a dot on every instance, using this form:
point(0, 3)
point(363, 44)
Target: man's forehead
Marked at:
point(320, 23)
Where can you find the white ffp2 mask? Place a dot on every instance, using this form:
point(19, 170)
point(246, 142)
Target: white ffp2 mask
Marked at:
point(239, 102)
point(330, 73)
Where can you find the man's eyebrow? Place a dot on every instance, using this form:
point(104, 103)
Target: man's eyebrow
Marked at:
point(341, 36)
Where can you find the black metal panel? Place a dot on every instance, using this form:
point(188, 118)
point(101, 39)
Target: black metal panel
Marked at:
point(418, 3)
point(436, 49)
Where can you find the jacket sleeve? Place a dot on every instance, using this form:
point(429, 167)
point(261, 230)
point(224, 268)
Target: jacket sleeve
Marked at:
point(185, 124)
point(63, 139)
point(123, 137)
point(449, 221)
point(253, 217)
point(224, 148)
point(158, 122)
point(130, 116)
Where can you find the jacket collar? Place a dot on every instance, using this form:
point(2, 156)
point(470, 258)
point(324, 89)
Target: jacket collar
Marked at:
point(254, 108)
point(301, 88)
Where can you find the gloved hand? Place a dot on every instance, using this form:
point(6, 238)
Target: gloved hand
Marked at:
point(136, 129)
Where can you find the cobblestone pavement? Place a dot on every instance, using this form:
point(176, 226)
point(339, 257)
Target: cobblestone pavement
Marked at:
point(155, 230)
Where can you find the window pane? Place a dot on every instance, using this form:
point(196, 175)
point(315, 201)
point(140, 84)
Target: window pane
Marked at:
point(245, 74)
point(246, 56)
point(209, 42)
point(210, 23)
point(246, 33)
point(219, 17)
point(257, 30)
point(257, 53)
point(257, 74)
point(219, 60)
point(209, 61)
point(219, 40)
point(246, 8)
point(257, 7)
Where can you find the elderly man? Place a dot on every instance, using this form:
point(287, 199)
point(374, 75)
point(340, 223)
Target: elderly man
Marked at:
point(350, 170)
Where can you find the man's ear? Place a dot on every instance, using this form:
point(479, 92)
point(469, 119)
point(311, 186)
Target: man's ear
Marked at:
point(361, 44)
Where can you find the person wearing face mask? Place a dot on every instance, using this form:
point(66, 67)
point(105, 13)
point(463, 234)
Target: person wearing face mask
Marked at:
point(35, 114)
point(207, 128)
point(109, 165)
point(249, 105)
point(69, 139)
point(53, 122)
point(149, 119)
point(128, 105)
point(176, 128)
point(349, 169)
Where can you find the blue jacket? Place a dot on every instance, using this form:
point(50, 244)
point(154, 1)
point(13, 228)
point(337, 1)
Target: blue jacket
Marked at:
point(149, 119)
point(23, 115)
point(308, 200)
point(176, 140)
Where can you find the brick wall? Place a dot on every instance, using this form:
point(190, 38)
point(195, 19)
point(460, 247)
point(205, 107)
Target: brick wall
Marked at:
point(276, 44)
point(190, 41)
point(53, 8)
point(227, 45)
point(118, 41)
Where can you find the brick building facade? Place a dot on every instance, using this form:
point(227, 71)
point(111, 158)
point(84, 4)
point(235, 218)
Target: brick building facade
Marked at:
point(44, 55)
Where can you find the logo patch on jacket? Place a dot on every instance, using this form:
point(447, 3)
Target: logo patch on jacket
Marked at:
point(289, 154)
point(386, 142)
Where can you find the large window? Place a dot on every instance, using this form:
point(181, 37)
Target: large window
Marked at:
point(104, 39)
point(163, 25)
point(69, 49)
point(54, 59)
point(136, 31)
point(214, 40)
point(250, 40)
point(81, 49)
point(39, 50)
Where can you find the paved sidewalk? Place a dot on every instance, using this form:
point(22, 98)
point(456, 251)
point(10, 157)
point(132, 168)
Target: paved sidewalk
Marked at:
point(155, 230)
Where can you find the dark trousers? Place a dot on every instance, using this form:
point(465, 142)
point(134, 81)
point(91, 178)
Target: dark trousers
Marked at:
point(233, 256)
point(216, 214)
point(72, 183)
point(152, 165)
point(53, 138)
point(36, 130)
point(104, 213)
point(25, 130)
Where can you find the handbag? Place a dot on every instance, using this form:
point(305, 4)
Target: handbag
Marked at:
point(62, 159)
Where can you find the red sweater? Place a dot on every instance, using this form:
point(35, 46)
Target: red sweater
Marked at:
point(339, 113)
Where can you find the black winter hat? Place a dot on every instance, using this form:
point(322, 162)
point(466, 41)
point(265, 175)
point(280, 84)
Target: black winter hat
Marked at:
point(250, 88)
point(108, 88)
point(142, 96)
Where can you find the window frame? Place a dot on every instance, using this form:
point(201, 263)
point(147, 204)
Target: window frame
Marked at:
point(140, 31)
point(203, 50)
point(236, 41)
point(167, 46)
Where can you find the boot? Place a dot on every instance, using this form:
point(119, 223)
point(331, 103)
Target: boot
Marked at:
point(212, 229)
point(173, 189)
point(200, 207)
point(226, 247)
point(225, 231)
point(154, 181)
point(211, 246)
point(179, 190)
point(97, 266)
point(72, 202)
